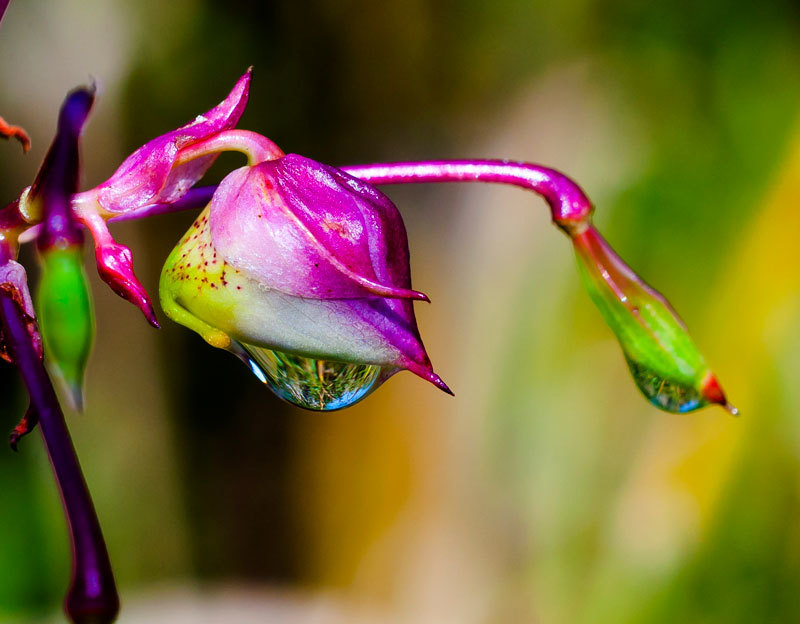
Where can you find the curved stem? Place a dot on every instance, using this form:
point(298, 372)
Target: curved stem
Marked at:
point(92, 595)
point(569, 206)
point(256, 147)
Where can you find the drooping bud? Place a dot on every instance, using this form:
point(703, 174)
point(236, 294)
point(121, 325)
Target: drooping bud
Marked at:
point(303, 272)
point(664, 361)
point(64, 303)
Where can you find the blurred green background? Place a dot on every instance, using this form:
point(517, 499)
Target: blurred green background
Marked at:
point(547, 490)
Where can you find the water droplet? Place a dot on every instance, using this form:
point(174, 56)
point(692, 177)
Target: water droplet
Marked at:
point(321, 385)
point(665, 393)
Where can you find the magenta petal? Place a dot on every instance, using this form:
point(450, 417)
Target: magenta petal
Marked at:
point(148, 176)
point(312, 231)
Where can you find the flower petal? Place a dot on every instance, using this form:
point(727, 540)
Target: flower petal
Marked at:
point(311, 230)
point(148, 176)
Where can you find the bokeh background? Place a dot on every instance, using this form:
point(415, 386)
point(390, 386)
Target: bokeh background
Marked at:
point(547, 490)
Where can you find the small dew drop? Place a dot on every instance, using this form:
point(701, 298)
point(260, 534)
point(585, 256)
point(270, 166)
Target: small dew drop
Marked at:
point(666, 394)
point(319, 385)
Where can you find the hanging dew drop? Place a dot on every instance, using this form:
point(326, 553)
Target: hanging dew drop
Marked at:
point(320, 385)
point(665, 393)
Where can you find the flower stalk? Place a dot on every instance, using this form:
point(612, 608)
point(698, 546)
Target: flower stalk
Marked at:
point(65, 308)
point(92, 594)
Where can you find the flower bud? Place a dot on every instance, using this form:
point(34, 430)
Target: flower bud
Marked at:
point(664, 361)
point(65, 316)
point(64, 303)
point(302, 271)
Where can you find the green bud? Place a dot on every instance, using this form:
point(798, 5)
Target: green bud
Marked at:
point(664, 361)
point(66, 317)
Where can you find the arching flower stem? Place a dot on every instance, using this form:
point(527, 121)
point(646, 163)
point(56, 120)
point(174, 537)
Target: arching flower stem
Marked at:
point(570, 208)
point(256, 147)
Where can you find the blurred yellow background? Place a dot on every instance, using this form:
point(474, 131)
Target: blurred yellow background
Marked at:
point(547, 490)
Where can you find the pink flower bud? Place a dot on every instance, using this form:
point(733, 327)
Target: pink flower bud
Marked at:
point(307, 268)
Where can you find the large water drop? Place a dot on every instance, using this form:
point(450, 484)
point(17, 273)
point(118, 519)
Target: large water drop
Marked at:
point(665, 393)
point(320, 385)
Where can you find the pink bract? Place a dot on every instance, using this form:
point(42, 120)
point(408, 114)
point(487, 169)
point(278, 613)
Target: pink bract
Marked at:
point(150, 175)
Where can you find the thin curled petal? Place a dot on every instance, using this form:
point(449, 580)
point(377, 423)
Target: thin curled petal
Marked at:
point(7, 131)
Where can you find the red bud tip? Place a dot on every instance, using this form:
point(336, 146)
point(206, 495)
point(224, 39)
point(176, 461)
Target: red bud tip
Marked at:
point(115, 266)
point(713, 393)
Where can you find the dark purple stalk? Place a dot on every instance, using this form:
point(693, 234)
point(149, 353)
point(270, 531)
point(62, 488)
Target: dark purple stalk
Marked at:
point(92, 595)
point(3, 7)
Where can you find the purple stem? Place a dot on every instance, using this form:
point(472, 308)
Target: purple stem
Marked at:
point(197, 197)
point(92, 595)
point(568, 203)
point(3, 7)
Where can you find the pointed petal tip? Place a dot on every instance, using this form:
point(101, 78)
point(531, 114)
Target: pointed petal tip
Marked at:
point(713, 393)
point(115, 266)
point(426, 372)
point(439, 383)
point(390, 292)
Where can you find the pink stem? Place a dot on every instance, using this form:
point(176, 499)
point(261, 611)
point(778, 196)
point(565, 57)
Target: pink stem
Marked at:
point(256, 147)
point(569, 205)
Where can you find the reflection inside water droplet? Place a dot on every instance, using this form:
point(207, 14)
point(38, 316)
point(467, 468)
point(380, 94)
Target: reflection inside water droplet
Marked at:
point(664, 393)
point(320, 385)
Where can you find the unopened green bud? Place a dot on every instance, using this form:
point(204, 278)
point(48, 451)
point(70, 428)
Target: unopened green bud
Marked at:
point(66, 317)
